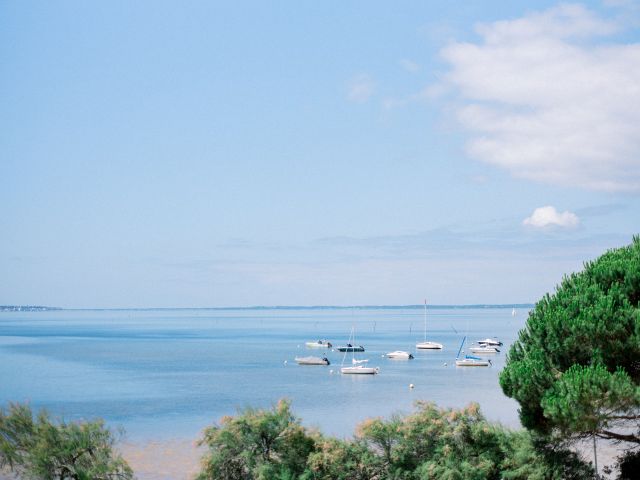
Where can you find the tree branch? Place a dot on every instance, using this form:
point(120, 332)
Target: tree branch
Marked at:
point(618, 436)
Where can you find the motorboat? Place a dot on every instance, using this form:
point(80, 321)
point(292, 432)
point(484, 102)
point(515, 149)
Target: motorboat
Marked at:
point(319, 344)
point(399, 355)
point(351, 348)
point(484, 349)
point(312, 361)
point(492, 342)
point(360, 370)
point(427, 345)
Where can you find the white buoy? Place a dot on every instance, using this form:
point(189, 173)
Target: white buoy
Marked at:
point(285, 362)
point(331, 372)
point(444, 364)
point(411, 385)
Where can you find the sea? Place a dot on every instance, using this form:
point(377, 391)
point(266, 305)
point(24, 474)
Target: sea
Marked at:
point(169, 373)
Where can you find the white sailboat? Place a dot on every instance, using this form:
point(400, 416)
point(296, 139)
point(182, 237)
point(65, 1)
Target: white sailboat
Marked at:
point(470, 361)
point(513, 312)
point(427, 345)
point(357, 367)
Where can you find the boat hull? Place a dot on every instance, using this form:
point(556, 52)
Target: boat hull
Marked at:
point(399, 355)
point(319, 344)
point(429, 346)
point(351, 349)
point(472, 363)
point(359, 370)
point(312, 361)
point(483, 350)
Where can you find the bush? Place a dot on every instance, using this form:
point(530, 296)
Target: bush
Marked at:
point(431, 443)
point(39, 448)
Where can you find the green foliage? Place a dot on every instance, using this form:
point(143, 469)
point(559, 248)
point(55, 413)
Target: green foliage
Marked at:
point(575, 368)
point(431, 443)
point(335, 459)
point(258, 444)
point(38, 448)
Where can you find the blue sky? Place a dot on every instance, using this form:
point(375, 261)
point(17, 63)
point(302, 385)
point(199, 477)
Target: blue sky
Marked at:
point(305, 153)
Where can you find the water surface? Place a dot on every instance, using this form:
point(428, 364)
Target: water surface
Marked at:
point(169, 373)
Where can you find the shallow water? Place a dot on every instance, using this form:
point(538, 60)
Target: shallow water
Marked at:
point(169, 373)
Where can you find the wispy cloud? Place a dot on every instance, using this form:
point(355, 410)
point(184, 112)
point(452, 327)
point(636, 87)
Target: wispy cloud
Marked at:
point(409, 65)
point(361, 88)
point(601, 210)
point(553, 98)
point(545, 217)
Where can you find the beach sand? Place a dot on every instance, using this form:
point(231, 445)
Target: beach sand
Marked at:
point(180, 459)
point(163, 460)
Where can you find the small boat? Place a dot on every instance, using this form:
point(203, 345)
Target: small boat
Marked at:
point(351, 348)
point(513, 312)
point(312, 361)
point(360, 370)
point(484, 349)
point(319, 344)
point(357, 367)
point(492, 342)
point(427, 345)
point(470, 361)
point(399, 355)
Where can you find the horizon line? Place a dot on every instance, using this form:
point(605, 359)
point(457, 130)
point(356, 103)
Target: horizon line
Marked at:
point(280, 307)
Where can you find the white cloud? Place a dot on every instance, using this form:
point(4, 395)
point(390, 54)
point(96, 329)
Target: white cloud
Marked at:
point(546, 98)
point(549, 217)
point(361, 88)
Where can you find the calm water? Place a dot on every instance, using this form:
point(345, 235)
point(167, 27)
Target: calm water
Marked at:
point(169, 373)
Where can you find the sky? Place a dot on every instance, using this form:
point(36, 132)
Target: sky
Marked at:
point(172, 154)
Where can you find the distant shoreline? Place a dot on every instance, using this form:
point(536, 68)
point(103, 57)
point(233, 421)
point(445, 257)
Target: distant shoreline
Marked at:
point(27, 308)
point(30, 308)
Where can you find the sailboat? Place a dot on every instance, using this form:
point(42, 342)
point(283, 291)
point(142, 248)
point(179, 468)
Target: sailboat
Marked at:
point(470, 361)
point(357, 367)
point(426, 345)
point(513, 312)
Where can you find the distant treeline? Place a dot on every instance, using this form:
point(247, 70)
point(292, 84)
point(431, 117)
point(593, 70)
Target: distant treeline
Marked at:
point(26, 308)
point(324, 307)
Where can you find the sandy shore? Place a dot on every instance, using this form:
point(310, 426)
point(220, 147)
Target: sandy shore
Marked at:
point(155, 460)
point(180, 459)
point(163, 460)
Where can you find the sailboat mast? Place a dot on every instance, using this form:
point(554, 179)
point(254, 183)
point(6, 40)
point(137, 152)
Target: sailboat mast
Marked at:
point(425, 319)
point(460, 349)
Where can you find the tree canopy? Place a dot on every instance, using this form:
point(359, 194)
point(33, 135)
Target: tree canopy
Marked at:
point(431, 443)
point(36, 447)
point(575, 368)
